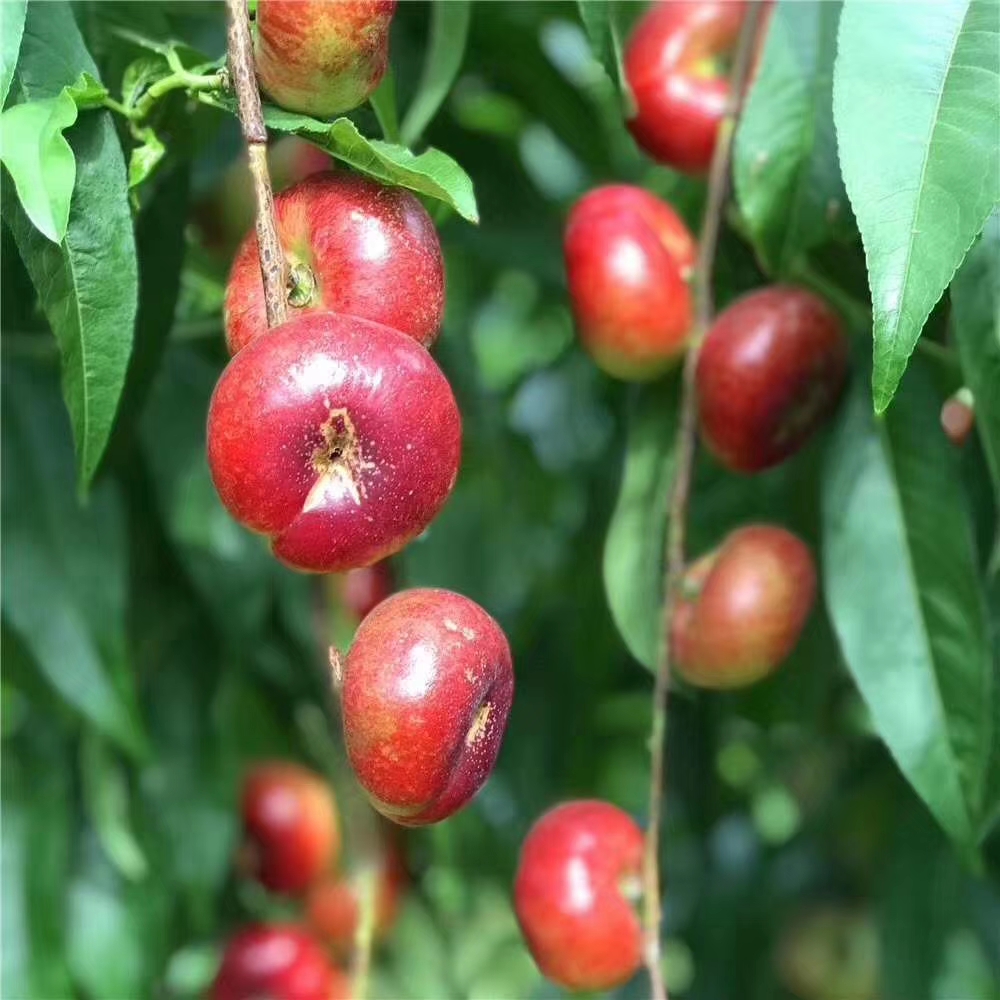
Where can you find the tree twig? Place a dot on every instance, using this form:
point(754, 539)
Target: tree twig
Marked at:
point(718, 188)
point(273, 267)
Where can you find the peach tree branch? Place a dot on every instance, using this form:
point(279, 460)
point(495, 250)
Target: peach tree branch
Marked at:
point(718, 189)
point(273, 267)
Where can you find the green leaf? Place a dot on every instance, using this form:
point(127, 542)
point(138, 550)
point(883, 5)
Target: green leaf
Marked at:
point(12, 14)
point(145, 158)
point(785, 167)
point(903, 595)
point(64, 566)
point(449, 32)
point(383, 103)
point(87, 284)
point(975, 299)
point(34, 860)
point(40, 160)
point(916, 101)
point(432, 173)
point(106, 797)
point(633, 550)
point(598, 17)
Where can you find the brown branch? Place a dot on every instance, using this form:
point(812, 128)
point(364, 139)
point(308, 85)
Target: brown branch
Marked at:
point(273, 267)
point(718, 189)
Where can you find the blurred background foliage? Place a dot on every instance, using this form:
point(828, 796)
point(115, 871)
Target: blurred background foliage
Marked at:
point(152, 648)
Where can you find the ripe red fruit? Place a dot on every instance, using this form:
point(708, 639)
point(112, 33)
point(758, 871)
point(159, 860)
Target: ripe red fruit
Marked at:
point(338, 438)
point(333, 906)
point(427, 686)
point(742, 608)
point(322, 58)
point(574, 895)
point(279, 962)
point(770, 372)
point(354, 247)
point(958, 417)
point(674, 63)
point(361, 590)
point(291, 830)
point(628, 257)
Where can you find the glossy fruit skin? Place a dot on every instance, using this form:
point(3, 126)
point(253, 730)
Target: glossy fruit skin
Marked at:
point(338, 438)
point(291, 828)
point(360, 248)
point(742, 608)
point(333, 906)
point(770, 372)
point(427, 687)
point(574, 893)
point(362, 590)
point(280, 962)
point(628, 260)
point(680, 95)
point(322, 58)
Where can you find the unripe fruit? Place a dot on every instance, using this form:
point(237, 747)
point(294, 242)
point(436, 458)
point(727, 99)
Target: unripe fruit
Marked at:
point(291, 830)
point(361, 590)
point(742, 608)
point(674, 66)
point(958, 417)
point(628, 258)
point(337, 438)
point(574, 895)
point(334, 904)
point(353, 247)
point(769, 374)
point(278, 962)
point(427, 687)
point(319, 57)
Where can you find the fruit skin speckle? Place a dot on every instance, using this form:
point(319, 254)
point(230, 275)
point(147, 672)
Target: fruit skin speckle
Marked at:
point(427, 688)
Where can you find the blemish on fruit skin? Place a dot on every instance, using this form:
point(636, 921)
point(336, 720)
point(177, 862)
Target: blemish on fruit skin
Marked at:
point(479, 725)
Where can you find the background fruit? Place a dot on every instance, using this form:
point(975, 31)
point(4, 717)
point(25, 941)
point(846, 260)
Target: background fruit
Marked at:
point(322, 58)
point(427, 687)
point(628, 258)
point(769, 374)
point(279, 962)
point(290, 824)
point(361, 590)
point(675, 63)
point(742, 607)
point(575, 894)
point(958, 417)
point(338, 438)
point(357, 248)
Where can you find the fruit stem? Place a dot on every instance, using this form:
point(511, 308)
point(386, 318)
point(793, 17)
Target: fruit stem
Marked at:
point(273, 266)
point(673, 560)
point(364, 937)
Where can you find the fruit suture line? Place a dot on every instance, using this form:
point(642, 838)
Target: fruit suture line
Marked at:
point(718, 186)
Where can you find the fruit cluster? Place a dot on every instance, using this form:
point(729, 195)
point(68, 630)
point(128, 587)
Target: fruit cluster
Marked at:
point(338, 437)
point(770, 371)
point(291, 846)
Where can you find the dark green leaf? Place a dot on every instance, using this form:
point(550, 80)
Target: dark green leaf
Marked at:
point(11, 29)
point(975, 297)
point(432, 173)
point(88, 283)
point(106, 796)
point(598, 17)
point(40, 160)
point(916, 104)
point(63, 565)
point(905, 601)
point(633, 550)
point(448, 34)
point(785, 167)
